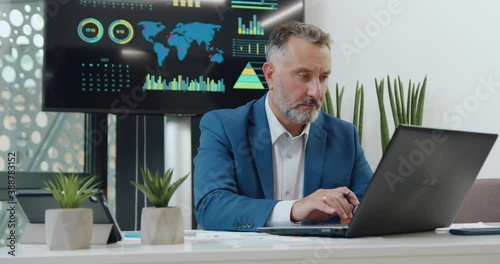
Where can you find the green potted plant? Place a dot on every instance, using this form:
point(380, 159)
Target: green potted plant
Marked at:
point(69, 227)
point(160, 224)
point(359, 100)
point(406, 110)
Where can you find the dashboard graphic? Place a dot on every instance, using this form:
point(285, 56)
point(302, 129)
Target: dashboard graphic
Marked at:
point(255, 4)
point(178, 84)
point(90, 30)
point(251, 77)
point(104, 77)
point(249, 48)
point(253, 28)
point(121, 31)
point(181, 37)
point(117, 4)
point(187, 3)
point(159, 56)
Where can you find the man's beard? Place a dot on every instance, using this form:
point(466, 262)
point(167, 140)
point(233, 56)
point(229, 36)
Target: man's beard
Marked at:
point(291, 110)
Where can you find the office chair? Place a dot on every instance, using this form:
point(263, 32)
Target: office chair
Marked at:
point(482, 204)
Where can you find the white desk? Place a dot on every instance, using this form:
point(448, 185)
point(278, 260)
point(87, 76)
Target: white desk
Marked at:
point(226, 247)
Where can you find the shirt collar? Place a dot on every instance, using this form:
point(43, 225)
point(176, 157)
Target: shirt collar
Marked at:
point(276, 128)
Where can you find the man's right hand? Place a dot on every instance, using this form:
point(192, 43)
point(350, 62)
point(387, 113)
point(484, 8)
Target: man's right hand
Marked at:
point(323, 204)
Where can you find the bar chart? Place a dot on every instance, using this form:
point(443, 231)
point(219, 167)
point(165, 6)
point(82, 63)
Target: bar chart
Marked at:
point(200, 84)
point(187, 3)
point(252, 29)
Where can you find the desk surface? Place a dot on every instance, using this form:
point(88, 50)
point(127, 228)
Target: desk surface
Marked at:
point(230, 247)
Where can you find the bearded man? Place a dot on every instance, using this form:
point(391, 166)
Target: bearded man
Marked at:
point(279, 160)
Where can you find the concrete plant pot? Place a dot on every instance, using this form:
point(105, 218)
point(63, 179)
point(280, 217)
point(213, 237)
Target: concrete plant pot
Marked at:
point(68, 229)
point(161, 226)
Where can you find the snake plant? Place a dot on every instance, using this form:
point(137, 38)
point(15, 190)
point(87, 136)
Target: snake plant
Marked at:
point(327, 105)
point(359, 99)
point(409, 113)
point(157, 187)
point(359, 102)
point(71, 190)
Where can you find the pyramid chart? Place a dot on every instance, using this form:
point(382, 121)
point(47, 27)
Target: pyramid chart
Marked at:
point(248, 79)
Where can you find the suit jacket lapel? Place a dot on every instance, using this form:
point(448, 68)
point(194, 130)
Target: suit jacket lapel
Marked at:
point(315, 156)
point(260, 141)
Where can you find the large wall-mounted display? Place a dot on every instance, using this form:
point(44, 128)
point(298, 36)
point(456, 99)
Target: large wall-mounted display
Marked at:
point(158, 56)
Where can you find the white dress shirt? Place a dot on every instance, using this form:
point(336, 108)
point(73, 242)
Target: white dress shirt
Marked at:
point(288, 168)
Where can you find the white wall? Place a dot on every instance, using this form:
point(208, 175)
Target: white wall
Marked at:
point(455, 42)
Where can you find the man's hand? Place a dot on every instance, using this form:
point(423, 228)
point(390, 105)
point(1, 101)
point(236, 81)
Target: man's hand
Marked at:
point(323, 204)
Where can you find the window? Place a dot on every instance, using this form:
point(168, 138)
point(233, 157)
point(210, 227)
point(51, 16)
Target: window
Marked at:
point(43, 142)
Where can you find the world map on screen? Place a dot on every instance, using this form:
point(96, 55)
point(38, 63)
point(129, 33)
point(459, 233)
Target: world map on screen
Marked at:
point(182, 38)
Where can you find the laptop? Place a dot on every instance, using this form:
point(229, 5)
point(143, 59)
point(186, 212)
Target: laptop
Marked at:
point(35, 202)
point(419, 184)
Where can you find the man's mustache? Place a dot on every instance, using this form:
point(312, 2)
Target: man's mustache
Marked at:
point(311, 101)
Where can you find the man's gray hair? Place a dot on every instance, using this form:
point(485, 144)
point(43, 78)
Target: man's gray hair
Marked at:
point(281, 34)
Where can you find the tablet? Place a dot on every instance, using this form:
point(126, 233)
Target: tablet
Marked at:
point(34, 203)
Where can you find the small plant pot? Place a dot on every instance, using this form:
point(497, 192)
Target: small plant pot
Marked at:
point(68, 229)
point(161, 226)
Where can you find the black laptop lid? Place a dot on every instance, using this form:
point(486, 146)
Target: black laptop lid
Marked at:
point(421, 181)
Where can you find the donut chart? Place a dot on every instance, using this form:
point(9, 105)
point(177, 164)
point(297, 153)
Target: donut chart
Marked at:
point(121, 31)
point(90, 30)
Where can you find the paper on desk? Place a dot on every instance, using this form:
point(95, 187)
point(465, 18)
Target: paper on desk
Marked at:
point(246, 239)
point(238, 238)
point(197, 235)
point(201, 234)
point(253, 239)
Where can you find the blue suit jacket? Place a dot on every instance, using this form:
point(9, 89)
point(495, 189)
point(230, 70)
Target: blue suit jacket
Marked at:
point(233, 174)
